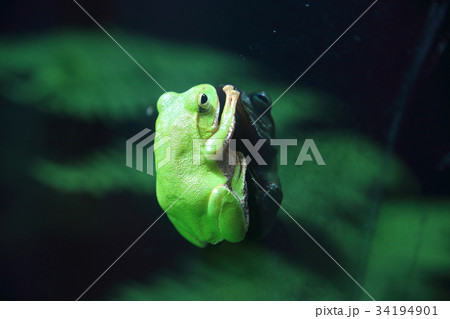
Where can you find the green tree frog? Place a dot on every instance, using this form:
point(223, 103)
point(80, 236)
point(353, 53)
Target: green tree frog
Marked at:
point(205, 197)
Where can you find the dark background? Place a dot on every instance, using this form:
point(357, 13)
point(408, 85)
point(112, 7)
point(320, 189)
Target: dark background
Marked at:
point(366, 68)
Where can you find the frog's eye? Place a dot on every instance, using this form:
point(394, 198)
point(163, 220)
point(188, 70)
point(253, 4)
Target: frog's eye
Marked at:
point(261, 99)
point(203, 103)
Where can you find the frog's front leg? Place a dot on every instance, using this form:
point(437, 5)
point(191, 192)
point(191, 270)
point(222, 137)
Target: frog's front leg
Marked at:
point(215, 144)
point(225, 208)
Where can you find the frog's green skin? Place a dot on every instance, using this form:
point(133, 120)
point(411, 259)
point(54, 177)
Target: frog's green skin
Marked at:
point(213, 202)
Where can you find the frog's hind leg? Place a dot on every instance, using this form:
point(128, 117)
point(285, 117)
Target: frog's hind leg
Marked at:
point(225, 207)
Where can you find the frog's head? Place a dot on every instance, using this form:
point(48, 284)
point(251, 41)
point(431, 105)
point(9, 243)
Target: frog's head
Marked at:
point(200, 103)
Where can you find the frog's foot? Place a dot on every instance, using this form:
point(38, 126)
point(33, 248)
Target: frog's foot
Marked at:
point(220, 140)
point(224, 206)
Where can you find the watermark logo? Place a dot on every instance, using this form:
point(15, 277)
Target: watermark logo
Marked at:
point(308, 152)
point(132, 147)
point(140, 149)
point(142, 145)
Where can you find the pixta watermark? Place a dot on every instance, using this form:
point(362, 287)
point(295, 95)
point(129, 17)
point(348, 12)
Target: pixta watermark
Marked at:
point(141, 147)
